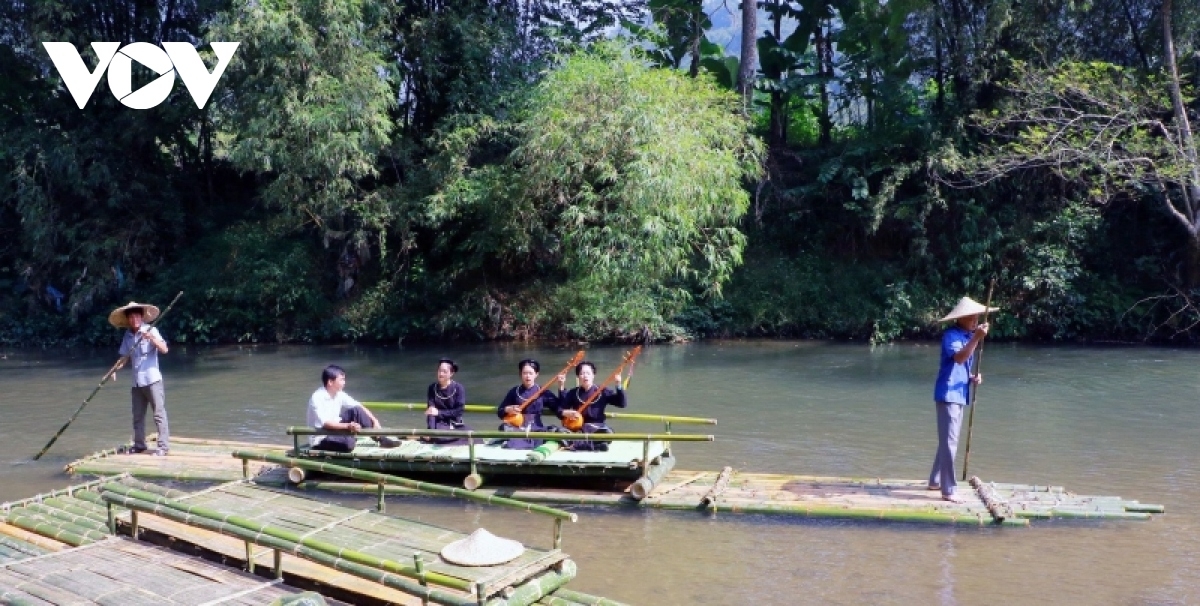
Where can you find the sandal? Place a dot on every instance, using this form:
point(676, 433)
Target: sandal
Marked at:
point(933, 487)
point(953, 498)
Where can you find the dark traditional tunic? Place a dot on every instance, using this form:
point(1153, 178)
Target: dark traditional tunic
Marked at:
point(593, 416)
point(450, 404)
point(532, 413)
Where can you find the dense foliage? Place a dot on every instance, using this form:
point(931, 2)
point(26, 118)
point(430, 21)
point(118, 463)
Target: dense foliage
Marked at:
point(485, 169)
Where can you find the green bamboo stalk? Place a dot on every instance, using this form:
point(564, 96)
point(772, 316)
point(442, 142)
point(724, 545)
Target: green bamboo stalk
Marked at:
point(1136, 507)
point(53, 513)
point(484, 408)
point(504, 435)
point(66, 533)
point(243, 523)
point(110, 374)
point(428, 487)
point(344, 564)
point(842, 512)
point(78, 508)
point(584, 598)
point(539, 454)
point(161, 491)
point(553, 600)
point(162, 474)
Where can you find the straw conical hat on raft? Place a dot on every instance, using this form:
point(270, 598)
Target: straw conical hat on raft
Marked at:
point(967, 307)
point(482, 548)
point(117, 317)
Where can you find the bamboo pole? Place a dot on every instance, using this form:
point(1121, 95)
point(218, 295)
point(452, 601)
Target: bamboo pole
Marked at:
point(31, 537)
point(484, 408)
point(586, 599)
point(110, 374)
point(642, 487)
point(975, 388)
point(67, 533)
point(427, 487)
point(18, 547)
point(55, 514)
point(344, 564)
point(489, 435)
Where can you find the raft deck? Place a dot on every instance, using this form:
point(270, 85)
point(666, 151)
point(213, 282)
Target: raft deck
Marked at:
point(124, 571)
point(367, 557)
point(715, 491)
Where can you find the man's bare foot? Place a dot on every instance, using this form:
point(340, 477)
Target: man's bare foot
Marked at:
point(953, 498)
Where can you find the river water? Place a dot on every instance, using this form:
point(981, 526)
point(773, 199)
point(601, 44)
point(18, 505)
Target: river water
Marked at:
point(1120, 421)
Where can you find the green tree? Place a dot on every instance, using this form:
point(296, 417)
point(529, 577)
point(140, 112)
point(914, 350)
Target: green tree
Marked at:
point(622, 191)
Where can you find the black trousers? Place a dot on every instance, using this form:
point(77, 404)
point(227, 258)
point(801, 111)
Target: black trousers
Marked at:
point(345, 443)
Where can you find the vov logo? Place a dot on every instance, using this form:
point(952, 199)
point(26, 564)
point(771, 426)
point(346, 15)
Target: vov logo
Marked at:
point(172, 58)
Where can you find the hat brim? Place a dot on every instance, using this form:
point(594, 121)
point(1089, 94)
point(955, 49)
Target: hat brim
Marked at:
point(117, 317)
point(956, 314)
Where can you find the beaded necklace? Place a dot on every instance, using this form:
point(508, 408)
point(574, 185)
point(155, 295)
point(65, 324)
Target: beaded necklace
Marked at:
point(437, 391)
point(523, 396)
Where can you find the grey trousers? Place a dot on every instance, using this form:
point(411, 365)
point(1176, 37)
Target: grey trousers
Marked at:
point(150, 395)
point(949, 420)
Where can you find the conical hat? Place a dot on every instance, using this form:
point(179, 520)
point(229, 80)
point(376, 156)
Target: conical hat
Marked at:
point(117, 317)
point(967, 307)
point(482, 548)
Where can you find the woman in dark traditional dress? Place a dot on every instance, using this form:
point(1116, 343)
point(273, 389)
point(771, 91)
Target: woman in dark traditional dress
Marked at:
point(447, 399)
point(570, 402)
point(531, 416)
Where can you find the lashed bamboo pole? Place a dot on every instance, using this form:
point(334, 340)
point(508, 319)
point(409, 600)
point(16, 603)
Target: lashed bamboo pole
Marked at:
point(381, 576)
point(67, 533)
point(17, 546)
point(582, 598)
point(484, 408)
point(489, 435)
point(55, 514)
point(30, 537)
point(376, 478)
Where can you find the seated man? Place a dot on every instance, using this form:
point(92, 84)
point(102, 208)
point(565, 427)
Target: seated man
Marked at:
point(331, 408)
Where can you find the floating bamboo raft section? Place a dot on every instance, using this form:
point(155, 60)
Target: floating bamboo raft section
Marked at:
point(359, 554)
point(191, 459)
point(394, 552)
point(123, 571)
point(718, 491)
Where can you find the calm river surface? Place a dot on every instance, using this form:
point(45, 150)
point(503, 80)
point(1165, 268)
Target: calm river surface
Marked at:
point(1120, 421)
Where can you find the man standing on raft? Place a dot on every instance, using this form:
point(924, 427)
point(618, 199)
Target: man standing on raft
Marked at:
point(951, 393)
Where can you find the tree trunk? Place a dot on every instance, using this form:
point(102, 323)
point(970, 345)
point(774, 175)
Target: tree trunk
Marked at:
point(745, 76)
point(824, 46)
point(778, 131)
point(1190, 189)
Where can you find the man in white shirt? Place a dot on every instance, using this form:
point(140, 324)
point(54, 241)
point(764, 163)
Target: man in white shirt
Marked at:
point(331, 408)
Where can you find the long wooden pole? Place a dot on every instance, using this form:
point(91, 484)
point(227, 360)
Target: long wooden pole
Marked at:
point(975, 390)
point(111, 374)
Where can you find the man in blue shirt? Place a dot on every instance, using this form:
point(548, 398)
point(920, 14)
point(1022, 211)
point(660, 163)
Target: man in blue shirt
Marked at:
point(951, 393)
point(142, 343)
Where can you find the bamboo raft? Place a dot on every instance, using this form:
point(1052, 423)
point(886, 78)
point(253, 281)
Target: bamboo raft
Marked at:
point(124, 571)
point(706, 491)
point(362, 555)
point(191, 459)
